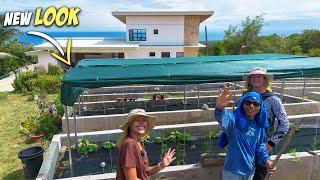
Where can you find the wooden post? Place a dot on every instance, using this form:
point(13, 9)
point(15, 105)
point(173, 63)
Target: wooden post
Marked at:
point(286, 142)
point(304, 87)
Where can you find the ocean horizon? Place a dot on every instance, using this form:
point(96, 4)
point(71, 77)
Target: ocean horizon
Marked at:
point(35, 40)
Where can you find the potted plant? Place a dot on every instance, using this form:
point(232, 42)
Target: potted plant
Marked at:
point(31, 128)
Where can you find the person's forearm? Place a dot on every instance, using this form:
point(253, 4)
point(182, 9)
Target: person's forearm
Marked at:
point(155, 169)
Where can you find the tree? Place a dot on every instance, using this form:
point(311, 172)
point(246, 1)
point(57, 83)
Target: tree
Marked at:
point(309, 39)
point(215, 48)
point(6, 33)
point(245, 36)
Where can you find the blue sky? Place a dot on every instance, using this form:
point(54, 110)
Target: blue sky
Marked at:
point(282, 16)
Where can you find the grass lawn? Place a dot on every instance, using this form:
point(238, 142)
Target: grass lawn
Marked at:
point(14, 108)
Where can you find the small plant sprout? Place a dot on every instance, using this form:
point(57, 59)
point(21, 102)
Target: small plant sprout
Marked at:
point(294, 154)
point(108, 145)
point(85, 147)
point(160, 139)
point(314, 144)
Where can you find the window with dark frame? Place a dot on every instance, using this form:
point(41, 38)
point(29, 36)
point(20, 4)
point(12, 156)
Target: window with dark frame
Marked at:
point(155, 31)
point(165, 54)
point(179, 54)
point(137, 35)
point(152, 54)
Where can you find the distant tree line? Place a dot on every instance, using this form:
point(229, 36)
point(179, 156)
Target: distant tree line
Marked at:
point(245, 39)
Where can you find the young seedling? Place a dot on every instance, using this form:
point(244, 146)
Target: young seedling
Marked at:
point(108, 145)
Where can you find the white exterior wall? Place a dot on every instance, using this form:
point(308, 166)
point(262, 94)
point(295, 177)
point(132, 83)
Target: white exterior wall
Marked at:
point(170, 29)
point(45, 58)
point(143, 52)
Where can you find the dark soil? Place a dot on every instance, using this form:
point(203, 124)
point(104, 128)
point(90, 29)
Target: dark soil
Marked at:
point(303, 140)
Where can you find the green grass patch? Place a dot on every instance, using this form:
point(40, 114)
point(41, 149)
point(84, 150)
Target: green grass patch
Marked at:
point(14, 108)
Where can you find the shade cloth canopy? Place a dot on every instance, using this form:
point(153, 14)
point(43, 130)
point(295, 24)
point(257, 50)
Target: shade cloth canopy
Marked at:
point(94, 73)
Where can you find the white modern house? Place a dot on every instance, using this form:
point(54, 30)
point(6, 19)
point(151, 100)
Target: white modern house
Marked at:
point(153, 34)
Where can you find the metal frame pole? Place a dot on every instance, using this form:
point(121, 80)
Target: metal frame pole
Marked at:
point(75, 127)
point(198, 87)
point(184, 97)
point(69, 142)
point(304, 87)
point(282, 88)
point(79, 111)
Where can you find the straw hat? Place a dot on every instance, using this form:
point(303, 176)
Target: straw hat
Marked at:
point(151, 120)
point(258, 70)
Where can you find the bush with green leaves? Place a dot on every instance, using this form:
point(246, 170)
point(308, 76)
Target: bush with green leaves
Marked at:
point(38, 81)
point(85, 147)
point(47, 126)
point(55, 70)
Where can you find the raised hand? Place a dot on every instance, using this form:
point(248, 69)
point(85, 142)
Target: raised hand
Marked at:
point(168, 157)
point(223, 99)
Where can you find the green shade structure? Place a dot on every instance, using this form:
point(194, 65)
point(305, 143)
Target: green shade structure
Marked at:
point(94, 73)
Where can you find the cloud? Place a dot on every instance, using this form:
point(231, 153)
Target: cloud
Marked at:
point(96, 15)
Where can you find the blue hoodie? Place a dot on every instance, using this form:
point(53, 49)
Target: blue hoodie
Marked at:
point(247, 139)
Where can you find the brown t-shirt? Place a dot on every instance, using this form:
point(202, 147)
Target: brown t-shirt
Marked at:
point(130, 156)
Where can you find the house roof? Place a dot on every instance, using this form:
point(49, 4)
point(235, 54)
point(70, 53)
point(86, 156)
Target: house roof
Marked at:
point(121, 15)
point(91, 44)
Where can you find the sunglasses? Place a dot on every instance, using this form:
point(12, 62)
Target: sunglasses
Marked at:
point(249, 102)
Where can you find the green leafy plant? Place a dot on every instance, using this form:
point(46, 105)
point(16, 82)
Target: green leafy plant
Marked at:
point(315, 142)
point(160, 139)
point(145, 139)
point(47, 126)
point(108, 145)
point(164, 149)
point(212, 133)
point(30, 127)
point(177, 136)
point(85, 147)
point(206, 147)
point(294, 154)
point(180, 155)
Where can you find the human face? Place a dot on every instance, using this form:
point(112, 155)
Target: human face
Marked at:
point(257, 80)
point(251, 108)
point(139, 126)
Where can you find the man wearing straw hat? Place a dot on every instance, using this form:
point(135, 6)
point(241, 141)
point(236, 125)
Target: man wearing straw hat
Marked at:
point(133, 161)
point(259, 81)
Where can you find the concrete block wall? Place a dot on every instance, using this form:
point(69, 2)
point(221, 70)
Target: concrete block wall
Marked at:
point(314, 96)
point(102, 122)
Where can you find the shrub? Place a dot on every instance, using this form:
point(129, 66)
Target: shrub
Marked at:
point(37, 80)
point(314, 52)
point(47, 126)
point(55, 70)
point(296, 50)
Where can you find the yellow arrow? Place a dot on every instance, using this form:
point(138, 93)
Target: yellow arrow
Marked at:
point(67, 61)
point(57, 45)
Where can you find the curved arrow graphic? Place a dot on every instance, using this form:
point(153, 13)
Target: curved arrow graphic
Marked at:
point(57, 45)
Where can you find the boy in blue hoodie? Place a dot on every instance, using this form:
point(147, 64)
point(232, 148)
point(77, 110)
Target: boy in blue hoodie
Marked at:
point(245, 130)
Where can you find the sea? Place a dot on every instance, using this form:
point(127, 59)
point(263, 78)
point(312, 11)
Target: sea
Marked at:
point(35, 40)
